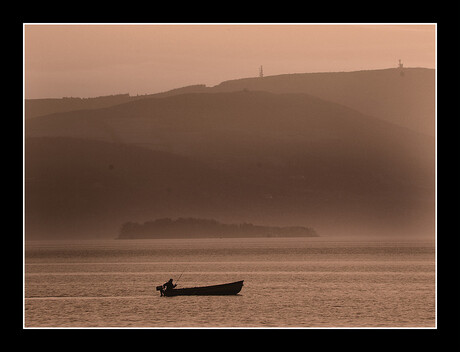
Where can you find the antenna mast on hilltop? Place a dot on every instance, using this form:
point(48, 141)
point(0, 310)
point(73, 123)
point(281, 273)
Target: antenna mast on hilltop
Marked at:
point(261, 71)
point(401, 72)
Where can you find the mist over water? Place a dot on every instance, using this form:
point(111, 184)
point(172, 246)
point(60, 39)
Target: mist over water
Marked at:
point(288, 282)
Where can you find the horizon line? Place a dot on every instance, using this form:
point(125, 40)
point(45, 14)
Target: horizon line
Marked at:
point(233, 79)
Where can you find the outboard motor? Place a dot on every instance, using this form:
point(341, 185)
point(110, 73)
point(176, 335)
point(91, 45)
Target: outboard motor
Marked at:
point(160, 288)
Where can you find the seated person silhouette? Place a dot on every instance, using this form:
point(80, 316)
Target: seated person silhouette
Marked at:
point(168, 286)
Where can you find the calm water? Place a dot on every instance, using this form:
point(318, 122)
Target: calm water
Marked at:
point(312, 282)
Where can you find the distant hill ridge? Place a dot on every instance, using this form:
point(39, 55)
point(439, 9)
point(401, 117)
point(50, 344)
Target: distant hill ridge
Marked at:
point(407, 100)
point(47, 106)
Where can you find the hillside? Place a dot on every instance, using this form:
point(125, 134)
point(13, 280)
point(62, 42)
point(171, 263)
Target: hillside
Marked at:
point(77, 187)
point(243, 128)
point(265, 158)
point(40, 107)
point(408, 100)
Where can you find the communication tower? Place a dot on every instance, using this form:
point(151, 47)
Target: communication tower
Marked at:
point(401, 71)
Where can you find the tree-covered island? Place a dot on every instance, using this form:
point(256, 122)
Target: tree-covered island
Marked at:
point(199, 228)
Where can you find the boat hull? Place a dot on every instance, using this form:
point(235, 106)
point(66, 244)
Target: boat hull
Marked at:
point(232, 288)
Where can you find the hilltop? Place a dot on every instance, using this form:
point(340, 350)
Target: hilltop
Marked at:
point(40, 107)
point(407, 100)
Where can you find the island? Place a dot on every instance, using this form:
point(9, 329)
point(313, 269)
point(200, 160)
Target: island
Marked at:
point(206, 228)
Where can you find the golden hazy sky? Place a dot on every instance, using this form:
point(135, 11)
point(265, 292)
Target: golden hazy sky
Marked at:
point(93, 60)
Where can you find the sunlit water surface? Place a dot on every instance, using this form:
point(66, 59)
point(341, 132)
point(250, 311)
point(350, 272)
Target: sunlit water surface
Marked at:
point(290, 282)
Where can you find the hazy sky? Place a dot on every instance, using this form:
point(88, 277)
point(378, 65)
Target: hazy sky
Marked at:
point(93, 60)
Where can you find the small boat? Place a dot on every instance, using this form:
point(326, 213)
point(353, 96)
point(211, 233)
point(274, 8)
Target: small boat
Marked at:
point(224, 289)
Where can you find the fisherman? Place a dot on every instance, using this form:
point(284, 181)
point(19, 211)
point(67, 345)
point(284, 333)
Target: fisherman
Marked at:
point(168, 286)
